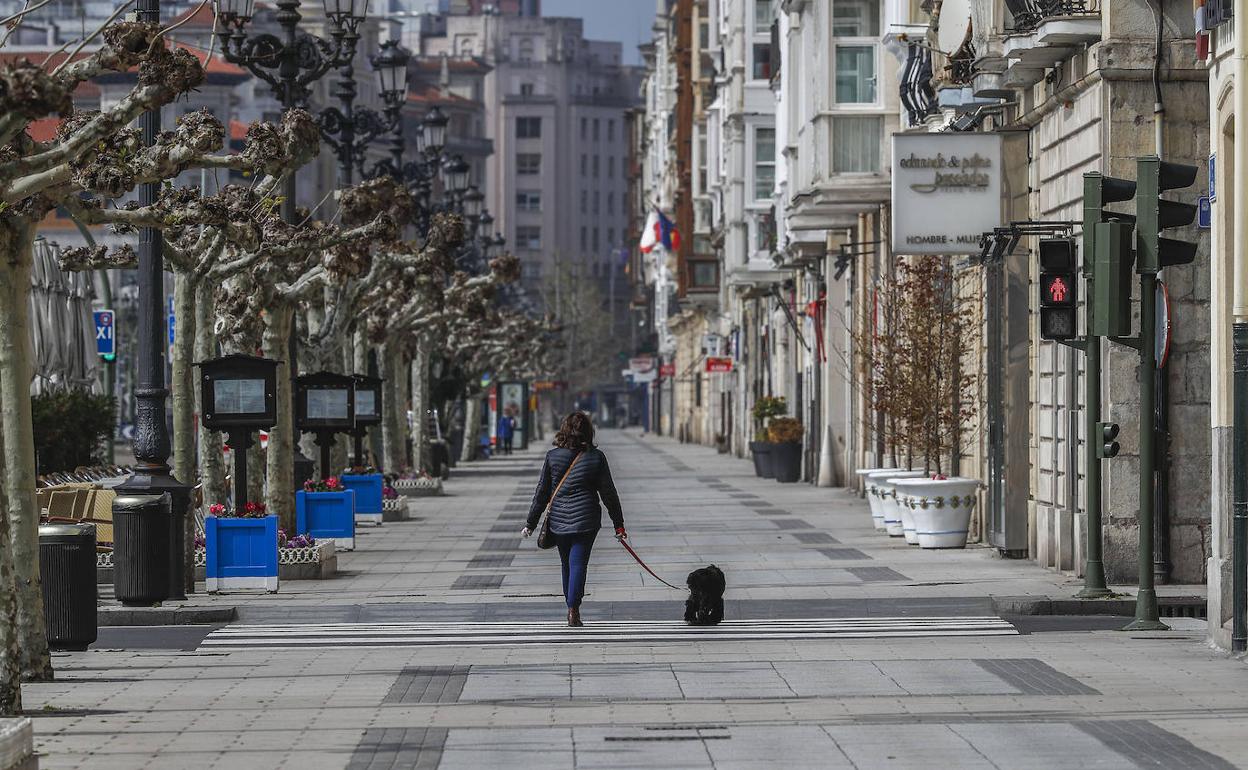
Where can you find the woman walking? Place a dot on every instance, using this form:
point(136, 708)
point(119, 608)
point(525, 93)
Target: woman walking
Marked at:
point(574, 478)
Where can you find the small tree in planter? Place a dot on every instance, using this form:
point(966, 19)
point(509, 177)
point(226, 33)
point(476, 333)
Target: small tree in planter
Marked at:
point(241, 548)
point(785, 435)
point(764, 410)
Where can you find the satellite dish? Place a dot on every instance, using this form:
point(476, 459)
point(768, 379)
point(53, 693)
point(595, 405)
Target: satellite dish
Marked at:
point(955, 19)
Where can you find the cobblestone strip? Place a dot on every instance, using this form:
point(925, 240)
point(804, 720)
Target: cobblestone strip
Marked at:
point(1148, 745)
point(383, 748)
point(428, 684)
point(477, 582)
point(1034, 677)
point(874, 574)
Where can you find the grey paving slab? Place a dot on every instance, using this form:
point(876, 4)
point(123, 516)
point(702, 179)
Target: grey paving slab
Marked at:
point(728, 680)
point(1041, 747)
point(633, 682)
point(914, 746)
point(921, 677)
point(876, 574)
point(489, 683)
point(397, 747)
point(477, 582)
point(428, 684)
point(524, 749)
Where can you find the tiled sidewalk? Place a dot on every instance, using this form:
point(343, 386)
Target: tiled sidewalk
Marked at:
point(1052, 699)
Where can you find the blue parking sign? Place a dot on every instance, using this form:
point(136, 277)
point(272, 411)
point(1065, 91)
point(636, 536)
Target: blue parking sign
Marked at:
point(105, 333)
point(1204, 211)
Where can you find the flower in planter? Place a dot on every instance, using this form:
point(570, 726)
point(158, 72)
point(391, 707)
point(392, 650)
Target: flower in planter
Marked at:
point(298, 541)
point(217, 509)
point(389, 493)
point(331, 484)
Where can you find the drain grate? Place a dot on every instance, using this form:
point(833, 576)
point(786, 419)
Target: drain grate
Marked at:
point(659, 738)
point(1183, 607)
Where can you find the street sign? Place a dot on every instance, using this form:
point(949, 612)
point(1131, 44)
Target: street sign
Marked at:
point(641, 363)
point(667, 370)
point(718, 364)
point(1163, 325)
point(105, 334)
point(1213, 190)
point(1204, 212)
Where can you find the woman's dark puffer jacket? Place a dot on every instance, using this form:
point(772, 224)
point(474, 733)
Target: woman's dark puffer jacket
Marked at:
point(576, 508)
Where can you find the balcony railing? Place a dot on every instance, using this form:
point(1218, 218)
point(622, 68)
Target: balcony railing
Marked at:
point(1029, 14)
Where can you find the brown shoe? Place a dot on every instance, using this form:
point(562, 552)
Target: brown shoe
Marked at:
point(574, 618)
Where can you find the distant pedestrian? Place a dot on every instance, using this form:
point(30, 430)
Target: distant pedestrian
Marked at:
point(575, 513)
point(506, 430)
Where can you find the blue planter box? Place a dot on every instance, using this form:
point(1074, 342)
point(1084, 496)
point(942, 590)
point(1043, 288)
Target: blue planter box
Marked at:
point(241, 553)
point(367, 490)
point(327, 516)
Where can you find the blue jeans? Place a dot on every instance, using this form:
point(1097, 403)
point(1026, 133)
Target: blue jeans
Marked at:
point(574, 553)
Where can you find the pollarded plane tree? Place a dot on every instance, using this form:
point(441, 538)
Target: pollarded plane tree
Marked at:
point(91, 157)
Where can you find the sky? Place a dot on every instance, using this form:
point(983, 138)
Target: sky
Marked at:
point(627, 21)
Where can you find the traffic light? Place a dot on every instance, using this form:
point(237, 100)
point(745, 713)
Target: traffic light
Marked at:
point(1059, 282)
point(1107, 254)
point(1108, 432)
point(1154, 214)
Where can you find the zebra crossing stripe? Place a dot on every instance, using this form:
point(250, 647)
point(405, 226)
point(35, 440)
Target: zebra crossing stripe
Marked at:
point(349, 635)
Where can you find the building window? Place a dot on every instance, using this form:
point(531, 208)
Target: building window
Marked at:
point(528, 163)
point(528, 128)
point(528, 237)
point(584, 129)
point(596, 240)
point(595, 201)
point(610, 237)
point(595, 166)
point(528, 200)
point(526, 89)
point(611, 167)
point(611, 130)
point(855, 74)
point(596, 126)
point(703, 274)
point(762, 14)
point(856, 18)
point(584, 164)
point(610, 203)
point(531, 271)
point(764, 163)
point(856, 144)
point(524, 51)
point(762, 61)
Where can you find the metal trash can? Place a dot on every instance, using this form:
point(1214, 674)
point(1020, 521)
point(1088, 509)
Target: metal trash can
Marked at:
point(141, 532)
point(67, 571)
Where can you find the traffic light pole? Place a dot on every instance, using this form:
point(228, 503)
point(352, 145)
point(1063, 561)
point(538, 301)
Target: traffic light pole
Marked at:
point(1146, 618)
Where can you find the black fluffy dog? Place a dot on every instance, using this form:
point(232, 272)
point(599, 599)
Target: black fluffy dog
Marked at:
point(705, 605)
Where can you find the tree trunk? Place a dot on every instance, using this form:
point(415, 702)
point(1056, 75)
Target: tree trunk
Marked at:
point(420, 402)
point(182, 386)
point(10, 649)
point(391, 411)
point(472, 426)
point(281, 453)
point(211, 461)
point(16, 253)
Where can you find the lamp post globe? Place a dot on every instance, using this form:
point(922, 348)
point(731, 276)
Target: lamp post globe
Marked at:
point(346, 14)
point(473, 201)
point(484, 226)
point(455, 172)
point(434, 127)
point(390, 64)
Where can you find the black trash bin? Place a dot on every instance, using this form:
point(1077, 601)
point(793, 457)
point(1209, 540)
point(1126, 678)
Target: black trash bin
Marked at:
point(67, 571)
point(441, 455)
point(141, 525)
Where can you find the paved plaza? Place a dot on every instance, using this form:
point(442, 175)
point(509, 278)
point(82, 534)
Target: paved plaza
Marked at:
point(442, 644)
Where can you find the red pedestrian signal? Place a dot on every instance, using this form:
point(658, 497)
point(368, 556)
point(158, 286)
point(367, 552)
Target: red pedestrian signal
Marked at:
point(1058, 289)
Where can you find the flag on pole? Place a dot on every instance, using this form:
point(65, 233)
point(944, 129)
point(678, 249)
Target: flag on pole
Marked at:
point(659, 231)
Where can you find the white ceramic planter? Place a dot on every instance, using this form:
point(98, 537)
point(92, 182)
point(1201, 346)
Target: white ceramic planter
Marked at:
point(891, 513)
point(877, 515)
point(941, 509)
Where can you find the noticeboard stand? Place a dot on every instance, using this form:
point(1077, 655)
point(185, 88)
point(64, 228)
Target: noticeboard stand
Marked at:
point(240, 440)
point(325, 440)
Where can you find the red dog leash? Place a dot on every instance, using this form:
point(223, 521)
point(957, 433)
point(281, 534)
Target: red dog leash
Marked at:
point(644, 566)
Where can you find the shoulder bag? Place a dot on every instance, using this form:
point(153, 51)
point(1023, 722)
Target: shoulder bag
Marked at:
point(544, 538)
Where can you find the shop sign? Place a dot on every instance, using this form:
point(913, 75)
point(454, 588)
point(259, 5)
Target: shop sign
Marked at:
point(667, 370)
point(718, 364)
point(946, 192)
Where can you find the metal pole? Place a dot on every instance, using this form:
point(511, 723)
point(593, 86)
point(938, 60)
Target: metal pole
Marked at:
point(1239, 493)
point(1094, 566)
point(1146, 596)
point(152, 475)
point(240, 441)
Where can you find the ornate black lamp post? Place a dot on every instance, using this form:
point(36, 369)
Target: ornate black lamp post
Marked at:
point(152, 475)
point(293, 62)
point(350, 129)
